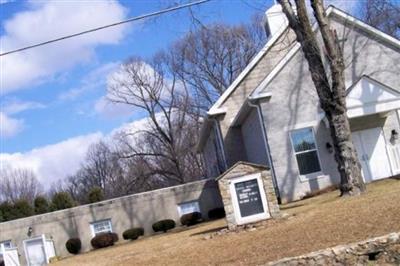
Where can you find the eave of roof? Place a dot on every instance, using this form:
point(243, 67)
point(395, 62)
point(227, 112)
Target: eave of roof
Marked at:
point(216, 108)
point(331, 10)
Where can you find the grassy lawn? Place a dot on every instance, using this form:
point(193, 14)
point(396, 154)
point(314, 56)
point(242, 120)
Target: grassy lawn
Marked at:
point(313, 224)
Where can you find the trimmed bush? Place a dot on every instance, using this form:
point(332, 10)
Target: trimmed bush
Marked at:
point(115, 237)
point(73, 245)
point(163, 225)
point(133, 233)
point(216, 213)
point(103, 240)
point(192, 218)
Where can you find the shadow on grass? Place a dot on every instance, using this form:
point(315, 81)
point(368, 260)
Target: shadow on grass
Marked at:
point(396, 177)
point(210, 231)
point(291, 206)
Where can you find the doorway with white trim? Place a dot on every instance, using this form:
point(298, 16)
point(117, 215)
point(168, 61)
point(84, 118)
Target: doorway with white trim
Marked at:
point(372, 154)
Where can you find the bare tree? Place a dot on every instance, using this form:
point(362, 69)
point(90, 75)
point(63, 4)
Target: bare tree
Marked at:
point(102, 166)
point(331, 91)
point(19, 184)
point(211, 57)
point(165, 143)
point(383, 15)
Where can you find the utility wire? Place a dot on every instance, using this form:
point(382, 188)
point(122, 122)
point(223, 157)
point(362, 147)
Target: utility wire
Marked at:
point(107, 26)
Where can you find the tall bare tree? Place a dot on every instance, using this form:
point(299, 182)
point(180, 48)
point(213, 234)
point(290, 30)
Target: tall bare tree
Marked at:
point(211, 57)
point(383, 15)
point(331, 90)
point(167, 142)
point(19, 184)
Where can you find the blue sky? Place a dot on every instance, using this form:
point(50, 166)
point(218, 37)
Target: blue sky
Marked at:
point(52, 98)
point(61, 103)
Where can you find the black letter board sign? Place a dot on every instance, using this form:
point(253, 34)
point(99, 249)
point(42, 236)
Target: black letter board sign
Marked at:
point(249, 198)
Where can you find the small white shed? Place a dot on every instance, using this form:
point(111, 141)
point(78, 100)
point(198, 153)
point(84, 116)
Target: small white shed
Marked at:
point(38, 250)
point(9, 255)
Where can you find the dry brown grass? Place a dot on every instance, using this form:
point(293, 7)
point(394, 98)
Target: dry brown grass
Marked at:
point(315, 223)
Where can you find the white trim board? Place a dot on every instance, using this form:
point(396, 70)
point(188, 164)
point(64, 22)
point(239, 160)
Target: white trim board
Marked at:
point(255, 217)
point(215, 109)
point(338, 13)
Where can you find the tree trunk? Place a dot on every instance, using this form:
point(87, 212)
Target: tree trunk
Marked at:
point(332, 95)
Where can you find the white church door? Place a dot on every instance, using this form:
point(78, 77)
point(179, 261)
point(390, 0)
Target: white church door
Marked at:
point(371, 149)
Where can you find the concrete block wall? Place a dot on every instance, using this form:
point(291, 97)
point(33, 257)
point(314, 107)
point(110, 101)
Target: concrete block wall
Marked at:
point(138, 210)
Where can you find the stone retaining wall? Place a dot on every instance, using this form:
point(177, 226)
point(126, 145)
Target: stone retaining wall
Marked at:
point(383, 250)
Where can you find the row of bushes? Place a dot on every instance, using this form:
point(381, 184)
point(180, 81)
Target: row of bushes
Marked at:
point(103, 240)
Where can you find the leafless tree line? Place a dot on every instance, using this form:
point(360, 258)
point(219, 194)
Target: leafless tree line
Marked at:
point(173, 89)
point(18, 184)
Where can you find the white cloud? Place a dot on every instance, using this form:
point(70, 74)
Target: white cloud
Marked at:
point(53, 162)
point(15, 106)
point(95, 79)
point(109, 109)
point(10, 127)
point(52, 19)
point(6, 1)
point(57, 161)
point(113, 103)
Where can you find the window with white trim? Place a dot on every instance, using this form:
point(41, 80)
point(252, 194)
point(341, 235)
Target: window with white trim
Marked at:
point(103, 226)
point(188, 207)
point(7, 244)
point(305, 150)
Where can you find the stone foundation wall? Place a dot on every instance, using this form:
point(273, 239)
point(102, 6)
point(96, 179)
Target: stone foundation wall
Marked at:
point(383, 250)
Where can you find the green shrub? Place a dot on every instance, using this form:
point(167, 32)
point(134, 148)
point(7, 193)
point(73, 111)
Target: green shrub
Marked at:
point(103, 240)
point(192, 218)
point(7, 212)
point(22, 208)
point(216, 213)
point(163, 225)
point(133, 233)
point(61, 200)
point(95, 195)
point(41, 205)
point(73, 245)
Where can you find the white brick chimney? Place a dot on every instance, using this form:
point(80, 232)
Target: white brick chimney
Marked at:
point(274, 20)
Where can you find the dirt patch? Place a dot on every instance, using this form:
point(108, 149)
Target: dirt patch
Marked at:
point(313, 224)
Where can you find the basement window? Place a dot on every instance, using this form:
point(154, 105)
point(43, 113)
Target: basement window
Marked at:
point(7, 244)
point(188, 207)
point(305, 150)
point(103, 226)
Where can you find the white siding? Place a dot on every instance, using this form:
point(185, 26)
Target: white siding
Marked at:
point(294, 101)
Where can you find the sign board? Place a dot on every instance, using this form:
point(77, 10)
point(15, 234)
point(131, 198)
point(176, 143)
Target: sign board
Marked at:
point(249, 198)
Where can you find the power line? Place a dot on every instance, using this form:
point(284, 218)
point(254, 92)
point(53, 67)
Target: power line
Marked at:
point(108, 26)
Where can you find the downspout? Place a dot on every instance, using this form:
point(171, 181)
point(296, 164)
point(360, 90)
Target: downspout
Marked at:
point(257, 105)
point(398, 115)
